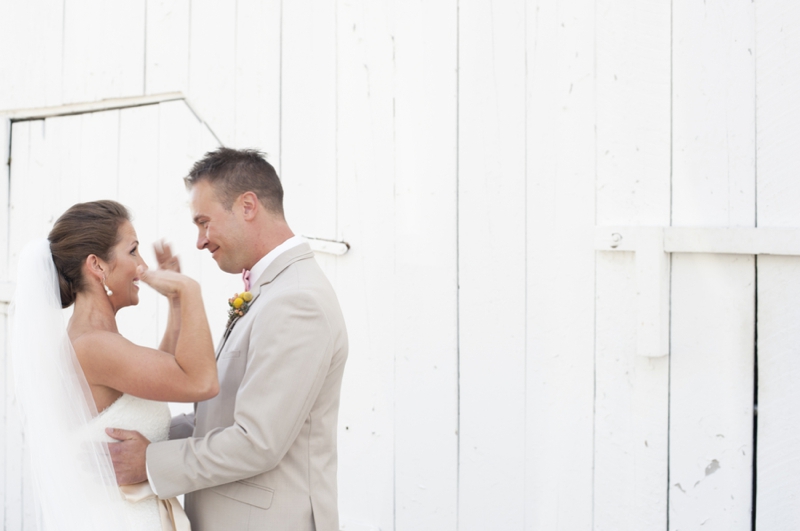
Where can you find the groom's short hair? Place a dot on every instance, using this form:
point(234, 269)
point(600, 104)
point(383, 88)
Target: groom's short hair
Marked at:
point(233, 172)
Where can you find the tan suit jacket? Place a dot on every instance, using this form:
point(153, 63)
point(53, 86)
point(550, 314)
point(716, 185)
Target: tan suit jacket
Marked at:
point(263, 452)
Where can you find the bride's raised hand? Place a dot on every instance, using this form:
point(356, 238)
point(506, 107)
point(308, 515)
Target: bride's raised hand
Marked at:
point(168, 283)
point(165, 258)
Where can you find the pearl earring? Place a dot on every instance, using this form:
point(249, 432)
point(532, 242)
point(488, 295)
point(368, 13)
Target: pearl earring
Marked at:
point(108, 290)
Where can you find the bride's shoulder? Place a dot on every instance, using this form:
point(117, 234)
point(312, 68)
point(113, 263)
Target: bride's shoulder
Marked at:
point(91, 342)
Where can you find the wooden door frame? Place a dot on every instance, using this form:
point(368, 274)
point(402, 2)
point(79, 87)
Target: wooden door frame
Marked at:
point(7, 119)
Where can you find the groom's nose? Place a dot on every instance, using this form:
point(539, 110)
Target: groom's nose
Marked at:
point(202, 241)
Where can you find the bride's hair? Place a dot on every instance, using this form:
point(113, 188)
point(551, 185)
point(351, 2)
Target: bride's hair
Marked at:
point(84, 229)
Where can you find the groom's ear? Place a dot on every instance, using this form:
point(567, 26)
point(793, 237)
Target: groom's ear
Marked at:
point(249, 202)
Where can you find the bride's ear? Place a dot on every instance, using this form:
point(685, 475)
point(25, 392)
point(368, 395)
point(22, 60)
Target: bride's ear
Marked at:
point(95, 267)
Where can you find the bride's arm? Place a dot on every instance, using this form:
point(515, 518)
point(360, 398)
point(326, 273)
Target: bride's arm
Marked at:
point(190, 375)
point(170, 339)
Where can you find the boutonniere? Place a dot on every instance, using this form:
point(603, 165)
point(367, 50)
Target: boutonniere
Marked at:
point(239, 304)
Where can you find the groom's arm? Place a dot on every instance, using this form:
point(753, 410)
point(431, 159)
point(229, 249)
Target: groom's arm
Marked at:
point(291, 346)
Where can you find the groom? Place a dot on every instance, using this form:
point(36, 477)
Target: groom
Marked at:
point(261, 454)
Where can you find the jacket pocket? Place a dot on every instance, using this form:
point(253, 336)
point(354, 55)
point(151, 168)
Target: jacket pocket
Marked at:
point(247, 492)
point(230, 354)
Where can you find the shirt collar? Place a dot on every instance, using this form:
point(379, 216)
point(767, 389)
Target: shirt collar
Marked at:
point(258, 269)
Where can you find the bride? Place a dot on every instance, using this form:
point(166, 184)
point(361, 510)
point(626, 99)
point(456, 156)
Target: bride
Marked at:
point(74, 381)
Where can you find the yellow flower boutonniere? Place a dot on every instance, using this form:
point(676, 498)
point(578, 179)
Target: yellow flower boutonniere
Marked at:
point(239, 304)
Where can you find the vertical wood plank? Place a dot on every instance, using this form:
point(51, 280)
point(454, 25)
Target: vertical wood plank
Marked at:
point(308, 117)
point(99, 159)
point(778, 120)
point(5, 403)
point(28, 178)
point(12, 427)
point(711, 387)
point(560, 265)
point(103, 49)
point(31, 40)
point(364, 280)
point(633, 188)
point(258, 77)
point(5, 175)
point(425, 236)
point(63, 160)
point(167, 46)
point(778, 465)
point(492, 266)
point(711, 398)
point(5, 360)
point(32, 201)
point(212, 66)
point(137, 182)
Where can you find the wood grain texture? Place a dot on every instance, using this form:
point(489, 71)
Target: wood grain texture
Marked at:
point(633, 188)
point(492, 264)
point(5, 168)
point(167, 46)
point(425, 231)
point(6, 402)
point(103, 49)
point(31, 36)
point(12, 427)
point(27, 180)
point(364, 277)
point(713, 179)
point(560, 265)
point(778, 487)
point(258, 77)
point(308, 117)
point(63, 156)
point(711, 398)
point(99, 156)
point(777, 112)
point(212, 64)
point(713, 296)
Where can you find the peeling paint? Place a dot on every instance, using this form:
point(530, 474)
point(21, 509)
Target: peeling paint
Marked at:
point(712, 467)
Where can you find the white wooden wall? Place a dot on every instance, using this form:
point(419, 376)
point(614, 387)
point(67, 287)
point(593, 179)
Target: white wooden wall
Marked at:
point(466, 149)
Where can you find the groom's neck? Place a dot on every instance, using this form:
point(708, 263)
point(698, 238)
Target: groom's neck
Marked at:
point(266, 237)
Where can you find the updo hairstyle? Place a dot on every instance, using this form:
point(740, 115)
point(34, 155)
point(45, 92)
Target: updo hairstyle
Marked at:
point(84, 229)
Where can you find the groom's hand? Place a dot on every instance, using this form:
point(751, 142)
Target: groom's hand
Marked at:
point(129, 455)
point(165, 258)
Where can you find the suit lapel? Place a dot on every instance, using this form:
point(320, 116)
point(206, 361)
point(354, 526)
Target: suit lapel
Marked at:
point(281, 262)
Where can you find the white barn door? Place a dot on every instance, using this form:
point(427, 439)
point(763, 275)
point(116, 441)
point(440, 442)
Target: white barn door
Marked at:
point(137, 156)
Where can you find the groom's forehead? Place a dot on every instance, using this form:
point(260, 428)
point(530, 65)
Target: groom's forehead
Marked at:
point(202, 197)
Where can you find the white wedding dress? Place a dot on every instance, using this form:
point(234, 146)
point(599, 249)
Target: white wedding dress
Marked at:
point(152, 420)
point(72, 477)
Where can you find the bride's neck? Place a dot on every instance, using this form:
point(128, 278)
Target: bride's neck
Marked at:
point(94, 312)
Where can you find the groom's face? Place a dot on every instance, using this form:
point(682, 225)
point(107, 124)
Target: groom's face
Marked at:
point(220, 231)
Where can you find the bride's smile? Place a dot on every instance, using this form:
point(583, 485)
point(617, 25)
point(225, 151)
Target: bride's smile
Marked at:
point(123, 279)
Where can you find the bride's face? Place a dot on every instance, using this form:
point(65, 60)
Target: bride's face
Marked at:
point(122, 278)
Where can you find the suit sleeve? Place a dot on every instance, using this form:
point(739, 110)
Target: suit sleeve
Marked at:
point(182, 426)
point(289, 357)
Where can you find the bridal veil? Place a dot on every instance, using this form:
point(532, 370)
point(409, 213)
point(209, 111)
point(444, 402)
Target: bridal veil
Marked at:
point(73, 477)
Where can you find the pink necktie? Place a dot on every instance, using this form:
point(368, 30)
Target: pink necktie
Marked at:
point(246, 279)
